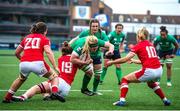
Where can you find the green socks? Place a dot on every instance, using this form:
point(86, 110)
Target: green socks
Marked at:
point(103, 74)
point(95, 84)
point(119, 74)
point(86, 81)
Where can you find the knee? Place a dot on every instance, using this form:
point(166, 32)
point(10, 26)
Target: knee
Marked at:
point(97, 77)
point(88, 74)
point(124, 81)
point(151, 84)
point(52, 76)
point(41, 87)
point(22, 78)
point(168, 66)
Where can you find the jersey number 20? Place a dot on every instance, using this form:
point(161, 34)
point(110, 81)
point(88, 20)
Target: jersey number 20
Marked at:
point(32, 43)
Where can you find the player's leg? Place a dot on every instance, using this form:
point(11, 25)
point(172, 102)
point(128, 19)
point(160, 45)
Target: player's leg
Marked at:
point(53, 77)
point(97, 64)
point(103, 74)
point(169, 62)
point(36, 89)
point(14, 87)
point(88, 69)
point(97, 71)
point(24, 72)
point(124, 88)
point(118, 66)
point(118, 73)
point(159, 92)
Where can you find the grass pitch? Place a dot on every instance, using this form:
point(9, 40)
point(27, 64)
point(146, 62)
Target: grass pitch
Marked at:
point(139, 97)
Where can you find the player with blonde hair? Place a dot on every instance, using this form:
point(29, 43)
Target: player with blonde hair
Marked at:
point(91, 45)
point(151, 68)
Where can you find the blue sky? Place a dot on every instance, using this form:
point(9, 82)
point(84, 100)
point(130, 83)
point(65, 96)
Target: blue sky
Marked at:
point(157, 7)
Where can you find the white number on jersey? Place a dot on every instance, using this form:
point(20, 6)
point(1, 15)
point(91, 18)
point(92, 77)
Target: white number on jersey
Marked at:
point(66, 67)
point(151, 51)
point(32, 43)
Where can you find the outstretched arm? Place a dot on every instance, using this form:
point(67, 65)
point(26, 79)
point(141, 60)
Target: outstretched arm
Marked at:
point(110, 46)
point(122, 60)
point(136, 61)
point(73, 40)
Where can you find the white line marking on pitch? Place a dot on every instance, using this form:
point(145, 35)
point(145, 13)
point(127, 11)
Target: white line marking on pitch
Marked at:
point(14, 65)
point(70, 90)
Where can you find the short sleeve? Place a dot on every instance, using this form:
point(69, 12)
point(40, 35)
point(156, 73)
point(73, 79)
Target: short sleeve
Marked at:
point(173, 39)
point(47, 41)
point(135, 49)
point(83, 34)
point(105, 37)
point(101, 43)
point(22, 43)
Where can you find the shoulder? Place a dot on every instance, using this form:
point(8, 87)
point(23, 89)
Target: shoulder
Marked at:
point(112, 32)
point(171, 36)
point(157, 38)
point(123, 34)
point(85, 32)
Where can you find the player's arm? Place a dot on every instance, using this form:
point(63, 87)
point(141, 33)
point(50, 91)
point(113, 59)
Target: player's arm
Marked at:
point(122, 60)
point(76, 60)
point(73, 40)
point(110, 48)
point(136, 61)
point(121, 46)
point(50, 56)
point(176, 48)
point(155, 42)
point(18, 52)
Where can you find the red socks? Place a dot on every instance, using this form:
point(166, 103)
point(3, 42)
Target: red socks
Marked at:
point(54, 89)
point(124, 88)
point(156, 89)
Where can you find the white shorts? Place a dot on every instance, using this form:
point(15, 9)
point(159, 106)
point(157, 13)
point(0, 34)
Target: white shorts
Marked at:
point(149, 74)
point(37, 67)
point(63, 87)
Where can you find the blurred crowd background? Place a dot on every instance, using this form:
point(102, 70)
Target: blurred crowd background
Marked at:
point(67, 18)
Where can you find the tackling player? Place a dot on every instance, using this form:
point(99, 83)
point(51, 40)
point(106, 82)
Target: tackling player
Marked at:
point(66, 78)
point(151, 68)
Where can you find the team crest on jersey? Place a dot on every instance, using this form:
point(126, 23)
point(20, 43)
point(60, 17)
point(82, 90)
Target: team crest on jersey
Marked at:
point(82, 11)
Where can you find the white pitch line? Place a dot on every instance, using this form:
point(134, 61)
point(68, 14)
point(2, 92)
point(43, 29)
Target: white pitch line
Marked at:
point(15, 65)
point(70, 90)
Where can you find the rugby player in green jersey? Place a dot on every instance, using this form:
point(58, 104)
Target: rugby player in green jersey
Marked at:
point(90, 45)
point(167, 50)
point(94, 29)
point(117, 39)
